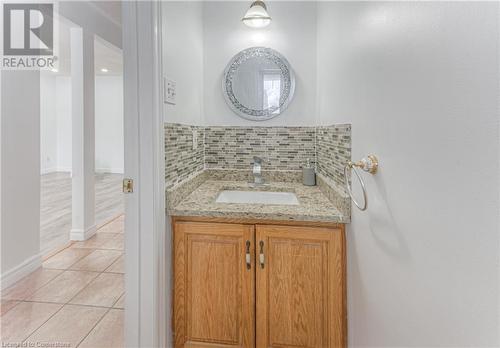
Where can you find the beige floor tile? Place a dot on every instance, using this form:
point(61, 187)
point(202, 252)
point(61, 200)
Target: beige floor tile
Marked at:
point(29, 284)
point(69, 326)
point(18, 323)
point(117, 267)
point(65, 287)
point(108, 333)
point(115, 226)
point(97, 261)
point(116, 243)
point(7, 305)
point(120, 303)
point(96, 241)
point(66, 258)
point(102, 291)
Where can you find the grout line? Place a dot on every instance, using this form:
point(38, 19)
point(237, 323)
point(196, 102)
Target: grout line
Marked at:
point(10, 288)
point(114, 304)
point(77, 270)
point(72, 242)
point(118, 299)
point(35, 290)
point(65, 269)
point(109, 221)
point(101, 248)
point(50, 317)
point(67, 303)
point(99, 274)
point(57, 251)
point(113, 264)
point(93, 279)
point(109, 272)
point(109, 309)
point(86, 286)
point(92, 329)
point(104, 270)
point(18, 302)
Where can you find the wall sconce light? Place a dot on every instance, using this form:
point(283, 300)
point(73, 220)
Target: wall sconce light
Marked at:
point(257, 16)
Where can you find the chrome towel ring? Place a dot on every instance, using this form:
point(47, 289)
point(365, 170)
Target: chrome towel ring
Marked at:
point(370, 165)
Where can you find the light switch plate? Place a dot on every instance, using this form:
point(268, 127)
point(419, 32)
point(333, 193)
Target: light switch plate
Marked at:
point(169, 90)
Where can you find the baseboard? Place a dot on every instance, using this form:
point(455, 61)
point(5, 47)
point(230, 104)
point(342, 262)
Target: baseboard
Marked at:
point(64, 169)
point(55, 170)
point(69, 169)
point(20, 271)
point(48, 170)
point(80, 235)
point(49, 252)
point(109, 170)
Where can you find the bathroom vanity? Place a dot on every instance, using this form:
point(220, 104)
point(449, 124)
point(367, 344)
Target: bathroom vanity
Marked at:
point(258, 254)
point(258, 275)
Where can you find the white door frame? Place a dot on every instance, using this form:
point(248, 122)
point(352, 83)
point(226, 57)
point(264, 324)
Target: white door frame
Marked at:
point(146, 276)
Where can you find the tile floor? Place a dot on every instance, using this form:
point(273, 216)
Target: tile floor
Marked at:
point(75, 300)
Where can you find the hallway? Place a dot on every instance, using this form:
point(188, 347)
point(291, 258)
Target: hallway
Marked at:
point(76, 299)
point(55, 206)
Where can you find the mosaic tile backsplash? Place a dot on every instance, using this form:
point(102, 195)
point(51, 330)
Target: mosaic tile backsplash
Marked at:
point(333, 150)
point(233, 148)
point(182, 161)
point(284, 148)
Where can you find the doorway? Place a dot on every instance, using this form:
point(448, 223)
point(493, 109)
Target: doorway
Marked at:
point(73, 292)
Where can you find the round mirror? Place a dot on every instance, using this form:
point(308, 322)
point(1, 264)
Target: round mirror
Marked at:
point(258, 83)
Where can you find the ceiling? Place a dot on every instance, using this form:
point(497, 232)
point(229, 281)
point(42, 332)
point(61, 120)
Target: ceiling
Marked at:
point(109, 9)
point(106, 55)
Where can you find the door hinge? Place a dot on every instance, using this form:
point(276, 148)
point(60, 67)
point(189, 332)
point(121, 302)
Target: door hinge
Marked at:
point(128, 185)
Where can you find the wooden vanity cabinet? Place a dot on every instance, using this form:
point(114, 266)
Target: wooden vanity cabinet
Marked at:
point(214, 291)
point(258, 285)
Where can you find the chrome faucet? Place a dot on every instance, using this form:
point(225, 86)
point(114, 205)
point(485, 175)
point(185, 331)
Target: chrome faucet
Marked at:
point(257, 171)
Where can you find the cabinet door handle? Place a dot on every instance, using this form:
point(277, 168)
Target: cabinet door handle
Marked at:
point(261, 254)
point(247, 255)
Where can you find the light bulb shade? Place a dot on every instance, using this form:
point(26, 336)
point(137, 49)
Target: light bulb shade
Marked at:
point(257, 16)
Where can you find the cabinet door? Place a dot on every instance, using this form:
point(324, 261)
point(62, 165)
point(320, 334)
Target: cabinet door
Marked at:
point(300, 287)
point(214, 290)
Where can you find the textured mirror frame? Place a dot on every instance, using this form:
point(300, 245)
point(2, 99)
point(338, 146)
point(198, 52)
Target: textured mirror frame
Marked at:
point(286, 73)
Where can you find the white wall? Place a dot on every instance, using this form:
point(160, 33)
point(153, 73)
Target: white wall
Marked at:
point(182, 35)
point(199, 40)
point(19, 174)
point(48, 123)
point(292, 33)
point(419, 83)
point(56, 132)
point(109, 124)
point(55, 123)
point(95, 18)
point(64, 122)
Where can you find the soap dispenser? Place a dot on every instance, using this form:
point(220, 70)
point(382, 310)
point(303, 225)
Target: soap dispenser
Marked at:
point(308, 174)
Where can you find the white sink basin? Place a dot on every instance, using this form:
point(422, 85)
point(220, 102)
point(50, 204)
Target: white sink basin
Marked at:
point(257, 197)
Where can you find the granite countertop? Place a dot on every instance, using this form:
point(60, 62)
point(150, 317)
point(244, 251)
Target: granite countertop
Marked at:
point(313, 204)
